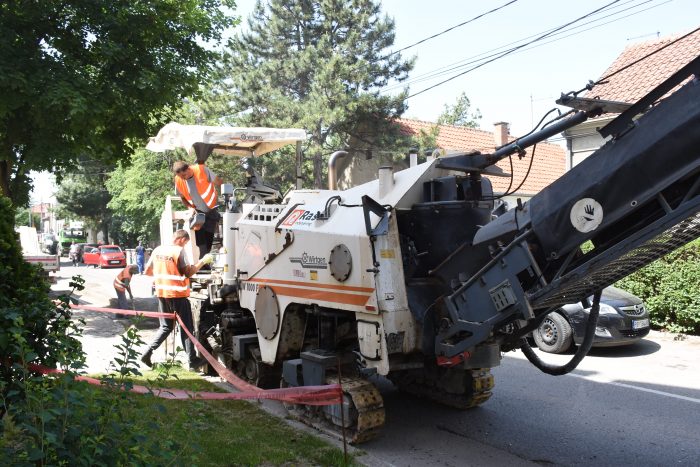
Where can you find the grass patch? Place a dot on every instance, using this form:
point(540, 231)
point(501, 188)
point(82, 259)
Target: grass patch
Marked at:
point(215, 433)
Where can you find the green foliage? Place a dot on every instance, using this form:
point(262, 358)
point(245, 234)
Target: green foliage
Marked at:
point(670, 287)
point(82, 195)
point(316, 65)
point(459, 114)
point(65, 422)
point(22, 217)
point(138, 191)
point(32, 328)
point(86, 77)
point(426, 140)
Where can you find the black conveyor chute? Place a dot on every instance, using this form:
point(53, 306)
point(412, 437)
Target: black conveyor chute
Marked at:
point(625, 173)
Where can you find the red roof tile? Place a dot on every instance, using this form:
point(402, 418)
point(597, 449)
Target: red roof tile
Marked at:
point(635, 82)
point(548, 165)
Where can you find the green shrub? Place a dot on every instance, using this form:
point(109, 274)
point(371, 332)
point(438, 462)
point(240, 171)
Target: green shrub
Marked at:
point(32, 328)
point(56, 420)
point(670, 287)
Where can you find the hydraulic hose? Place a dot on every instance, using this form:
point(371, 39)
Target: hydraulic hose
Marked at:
point(580, 353)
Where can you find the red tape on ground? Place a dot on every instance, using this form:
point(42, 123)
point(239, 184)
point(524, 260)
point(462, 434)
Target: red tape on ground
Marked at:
point(324, 395)
point(307, 395)
point(150, 314)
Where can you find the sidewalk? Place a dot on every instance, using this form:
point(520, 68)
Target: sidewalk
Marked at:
point(102, 331)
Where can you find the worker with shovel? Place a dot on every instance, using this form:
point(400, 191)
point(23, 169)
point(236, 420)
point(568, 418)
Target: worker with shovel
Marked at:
point(122, 284)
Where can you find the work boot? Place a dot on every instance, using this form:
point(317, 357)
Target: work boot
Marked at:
point(197, 363)
point(146, 358)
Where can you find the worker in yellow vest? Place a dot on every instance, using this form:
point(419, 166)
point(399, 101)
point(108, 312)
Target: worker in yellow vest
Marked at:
point(171, 271)
point(196, 185)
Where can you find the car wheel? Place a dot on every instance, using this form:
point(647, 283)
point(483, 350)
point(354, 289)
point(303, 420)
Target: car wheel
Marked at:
point(554, 335)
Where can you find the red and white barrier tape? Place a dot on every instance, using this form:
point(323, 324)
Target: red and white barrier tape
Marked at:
point(307, 395)
point(149, 314)
point(323, 395)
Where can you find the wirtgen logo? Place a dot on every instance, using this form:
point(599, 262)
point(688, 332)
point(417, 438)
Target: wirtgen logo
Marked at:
point(310, 262)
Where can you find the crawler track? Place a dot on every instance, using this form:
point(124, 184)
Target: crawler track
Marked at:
point(475, 390)
point(364, 412)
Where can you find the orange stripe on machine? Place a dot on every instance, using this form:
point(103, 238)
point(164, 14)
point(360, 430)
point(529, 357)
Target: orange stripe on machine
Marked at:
point(321, 295)
point(343, 288)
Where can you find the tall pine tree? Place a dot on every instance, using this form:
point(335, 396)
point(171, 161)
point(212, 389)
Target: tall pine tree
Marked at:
point(318, 65)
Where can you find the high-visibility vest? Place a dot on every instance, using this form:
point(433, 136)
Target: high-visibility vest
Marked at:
point(124, 275)
point(205, 188)
point(169, 282)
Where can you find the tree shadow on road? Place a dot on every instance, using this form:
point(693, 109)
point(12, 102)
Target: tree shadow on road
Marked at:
point(639, 348)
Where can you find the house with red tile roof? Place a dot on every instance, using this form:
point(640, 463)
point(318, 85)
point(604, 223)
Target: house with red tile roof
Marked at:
point(548, 162)
point(630, 85)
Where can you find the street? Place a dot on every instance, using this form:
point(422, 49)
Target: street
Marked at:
point(102, 331)
point(635, 405)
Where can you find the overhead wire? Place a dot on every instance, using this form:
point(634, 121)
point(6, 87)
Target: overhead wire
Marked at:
point(629, 65)
point(451, 28)
point(494, 52)
point(508, 52)
point(647, 56)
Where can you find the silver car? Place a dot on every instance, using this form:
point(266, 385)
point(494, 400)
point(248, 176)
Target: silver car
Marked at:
point(623, 320)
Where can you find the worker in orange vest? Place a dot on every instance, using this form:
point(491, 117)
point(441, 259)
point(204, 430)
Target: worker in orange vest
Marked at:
point(196, 185)
point(171, 272)
point(122, 284)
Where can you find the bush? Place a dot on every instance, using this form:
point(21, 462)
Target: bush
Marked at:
point(56, 420)
point(670, 287)
point(32, 328)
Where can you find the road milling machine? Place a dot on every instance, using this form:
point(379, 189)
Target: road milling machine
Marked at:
point(414, 276)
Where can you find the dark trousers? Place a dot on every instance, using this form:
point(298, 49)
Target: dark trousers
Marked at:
point(204, 237)
point(122, 303)
point(181, 307)
point(204, 240)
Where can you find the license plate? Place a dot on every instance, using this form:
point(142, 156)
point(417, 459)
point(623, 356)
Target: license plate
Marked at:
point(640, 324)
point(114, 262)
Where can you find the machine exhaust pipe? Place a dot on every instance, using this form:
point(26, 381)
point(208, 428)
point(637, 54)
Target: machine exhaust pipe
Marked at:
point(386, 180)
point(332, 175)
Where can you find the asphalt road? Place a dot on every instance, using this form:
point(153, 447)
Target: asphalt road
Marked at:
point(627, 406)
point(635, 405)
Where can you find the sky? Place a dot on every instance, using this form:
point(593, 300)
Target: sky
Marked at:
point(522, 86)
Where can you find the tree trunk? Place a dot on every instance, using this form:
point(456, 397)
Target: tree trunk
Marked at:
point(5, 171)
point(105, 232)
point(318, 170)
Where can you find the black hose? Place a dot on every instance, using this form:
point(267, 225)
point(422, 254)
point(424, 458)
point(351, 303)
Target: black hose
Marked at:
point(580, 353)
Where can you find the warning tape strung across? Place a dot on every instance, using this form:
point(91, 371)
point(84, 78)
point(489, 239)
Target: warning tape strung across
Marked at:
point(149, 314)
point(329, 394)
point(307, 395)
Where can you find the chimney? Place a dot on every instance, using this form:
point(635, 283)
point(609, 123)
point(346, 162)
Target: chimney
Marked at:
point(500, 133)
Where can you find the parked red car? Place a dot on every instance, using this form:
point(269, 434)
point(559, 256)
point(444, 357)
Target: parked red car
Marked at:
point(105, 256)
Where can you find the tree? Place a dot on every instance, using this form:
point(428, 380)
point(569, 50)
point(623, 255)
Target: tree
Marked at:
point(91, 77)
point(318, 65)
point(459, 115)
point(82, 196)
point(24, 216)
point(138, 189)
